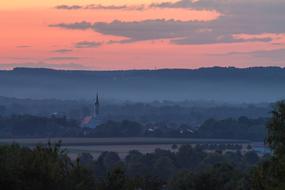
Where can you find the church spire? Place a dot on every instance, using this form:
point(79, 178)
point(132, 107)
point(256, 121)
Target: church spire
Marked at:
point(97, 105)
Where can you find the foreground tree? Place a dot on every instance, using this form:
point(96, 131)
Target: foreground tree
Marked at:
point(270, 175)
point(219, 177)
point(44, 167)
point(276, 130)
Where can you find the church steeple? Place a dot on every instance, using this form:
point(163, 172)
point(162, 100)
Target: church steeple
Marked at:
point(97, 105)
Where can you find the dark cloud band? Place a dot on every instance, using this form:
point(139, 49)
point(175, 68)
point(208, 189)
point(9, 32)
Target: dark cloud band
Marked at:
point(238, 17)
point(88, 44)
point(99, 7)
point(62, 50)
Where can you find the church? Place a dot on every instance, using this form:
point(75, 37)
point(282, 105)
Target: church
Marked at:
point(94, 120)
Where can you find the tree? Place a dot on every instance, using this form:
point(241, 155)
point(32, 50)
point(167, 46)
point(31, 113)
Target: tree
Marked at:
point(164, 167)
point(135, 164)
point(86, 159)
point(271, 173)
point(106, 162)
point(174, 147)
point(115, 180)
point(183, 180)
point(251, 157)
point(81, 178)
point(276, 130)
point(44, 167)
point(188, 157)
point(218, 177)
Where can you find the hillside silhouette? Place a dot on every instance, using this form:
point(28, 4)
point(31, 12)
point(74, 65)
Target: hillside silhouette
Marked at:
point(257, 84)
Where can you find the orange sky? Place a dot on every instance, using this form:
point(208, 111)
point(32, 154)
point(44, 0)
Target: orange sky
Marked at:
point(26, 38)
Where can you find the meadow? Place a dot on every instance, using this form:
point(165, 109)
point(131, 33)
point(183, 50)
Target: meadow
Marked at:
point(95, 146)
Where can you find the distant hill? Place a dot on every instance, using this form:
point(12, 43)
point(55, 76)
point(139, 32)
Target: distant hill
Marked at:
point(257, 84)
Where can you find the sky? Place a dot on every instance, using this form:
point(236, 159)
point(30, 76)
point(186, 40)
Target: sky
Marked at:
point(141, 34)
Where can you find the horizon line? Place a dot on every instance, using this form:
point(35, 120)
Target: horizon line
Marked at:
point(156, 69)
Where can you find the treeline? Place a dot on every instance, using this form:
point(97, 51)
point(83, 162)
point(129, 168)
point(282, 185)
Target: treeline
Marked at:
point(60, 126)
point(36, 126)
point(241, 128)
point(165, 164)
point(42, 168)
point(48, 167)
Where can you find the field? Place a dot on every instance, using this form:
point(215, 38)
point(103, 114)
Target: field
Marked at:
point(122, 146)
point(119, 141)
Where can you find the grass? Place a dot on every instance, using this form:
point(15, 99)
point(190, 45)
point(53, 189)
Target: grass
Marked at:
point(95, 146)
point(119, 141)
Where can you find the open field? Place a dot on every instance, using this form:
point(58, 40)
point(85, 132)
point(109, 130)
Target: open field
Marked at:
point(119, 141)
point(122, 146)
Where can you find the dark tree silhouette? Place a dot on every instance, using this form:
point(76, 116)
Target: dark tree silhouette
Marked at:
point(271, 174)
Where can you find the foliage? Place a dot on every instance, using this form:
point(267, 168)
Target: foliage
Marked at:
point(276, 130)
point(242, 128)
point(270, 175)
point(60, 126)
point(218, 177)
point(36, 126)
point(44, 167)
